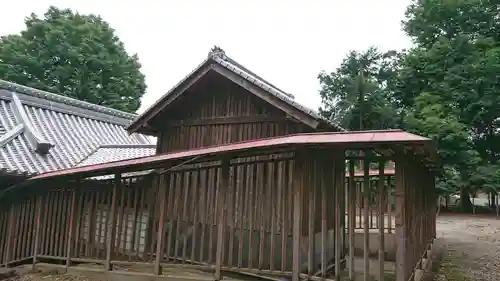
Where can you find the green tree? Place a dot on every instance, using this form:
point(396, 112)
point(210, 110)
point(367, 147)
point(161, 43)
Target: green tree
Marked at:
point(74, 55)
point(356, 95)
point(457, 59)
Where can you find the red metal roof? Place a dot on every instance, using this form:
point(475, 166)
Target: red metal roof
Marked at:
point(345, 139)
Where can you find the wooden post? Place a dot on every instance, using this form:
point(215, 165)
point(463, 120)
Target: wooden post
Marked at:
point(400, 224)
point(39, 202)
point(163, 206)
point(221, 222)
point(297, 190)
point(352, 217)
point(71, 226)
point(339, 185)
point(366, 226)
point(10, 233)
point(381, 215)
point(112, 213)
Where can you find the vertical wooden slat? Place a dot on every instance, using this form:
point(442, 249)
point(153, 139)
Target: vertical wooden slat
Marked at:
point(244, 206)
point(400, 224)
point(10, 234)
point(310, 217)
point(70, 228)
point(159, 246)
point(366, 206)
point(297, 213)
point(262, 211)
point(196, 203)
point(231, 212)
point(112, 214)
point(352, 217)
point(173, 199)
point(135, 219)
point(39, 204)
point(186, 186)
point(338, 186)
point(274, 188)
point(381, 206)
point(221, 191)
point(286, 194)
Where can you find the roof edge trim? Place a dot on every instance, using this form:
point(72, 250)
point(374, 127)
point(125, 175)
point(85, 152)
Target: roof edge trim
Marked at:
point(10, 86)
point(11, 134)
point(34, 137)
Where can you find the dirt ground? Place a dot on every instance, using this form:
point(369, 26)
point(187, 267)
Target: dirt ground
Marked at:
point(472, 246)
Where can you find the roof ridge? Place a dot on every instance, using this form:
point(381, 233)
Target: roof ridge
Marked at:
point(57, 98)
point(218, 52)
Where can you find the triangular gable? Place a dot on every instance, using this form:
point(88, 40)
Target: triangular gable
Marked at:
point(218, 61)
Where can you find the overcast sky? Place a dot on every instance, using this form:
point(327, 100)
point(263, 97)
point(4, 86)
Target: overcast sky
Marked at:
point(287, 42)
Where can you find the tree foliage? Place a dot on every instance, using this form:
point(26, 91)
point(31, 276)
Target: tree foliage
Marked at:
point(357, 94)
point(74, 55)
point(445, 87)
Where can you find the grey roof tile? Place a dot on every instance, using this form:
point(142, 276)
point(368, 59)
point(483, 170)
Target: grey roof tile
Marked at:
point(78, 131)
point(110, 153)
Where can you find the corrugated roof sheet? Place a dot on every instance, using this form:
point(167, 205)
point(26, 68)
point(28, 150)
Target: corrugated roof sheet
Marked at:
point(76, 130)
point(345, 139)
point(217, 55)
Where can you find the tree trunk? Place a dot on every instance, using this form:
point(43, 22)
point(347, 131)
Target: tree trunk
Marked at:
point(465, 203)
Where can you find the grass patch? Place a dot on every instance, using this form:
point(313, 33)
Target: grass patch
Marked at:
point(449, 269)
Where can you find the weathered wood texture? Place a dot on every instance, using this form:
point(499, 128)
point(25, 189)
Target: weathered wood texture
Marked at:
point(287, 215)
point(216, 111)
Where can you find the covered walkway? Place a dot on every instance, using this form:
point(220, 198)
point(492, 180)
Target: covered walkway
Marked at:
point(279, 207)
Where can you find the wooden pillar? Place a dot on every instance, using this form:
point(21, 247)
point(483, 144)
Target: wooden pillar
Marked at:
point(297, 190)
point(10, 234)
point(39, 208)
point(161, 226)
point(71, 224)
point(339, 186)
point(222, 189)
point(366, 226)
point(351, 217)
point(381, 218)
point(112, 213)
point(151, 204)
point(400, 224)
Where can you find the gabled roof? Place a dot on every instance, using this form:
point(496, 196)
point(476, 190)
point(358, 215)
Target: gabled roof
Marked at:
point(42, 132)
point(219, 62)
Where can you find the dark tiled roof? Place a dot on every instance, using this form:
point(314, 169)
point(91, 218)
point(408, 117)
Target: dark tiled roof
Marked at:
point(108, 153)
point(41, 132)
point(218, 56)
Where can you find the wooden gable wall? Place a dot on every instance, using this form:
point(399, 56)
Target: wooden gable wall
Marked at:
point(216, 111)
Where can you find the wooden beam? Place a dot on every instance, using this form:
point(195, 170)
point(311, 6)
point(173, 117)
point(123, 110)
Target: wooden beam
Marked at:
point(224, 120)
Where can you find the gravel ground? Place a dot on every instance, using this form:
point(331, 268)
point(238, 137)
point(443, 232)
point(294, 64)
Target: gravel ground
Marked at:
point(472, 246)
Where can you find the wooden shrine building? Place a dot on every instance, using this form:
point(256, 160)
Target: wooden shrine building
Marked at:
point(245, 182)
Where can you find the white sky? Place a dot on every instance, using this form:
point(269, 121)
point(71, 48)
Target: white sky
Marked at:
point(287, 42)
